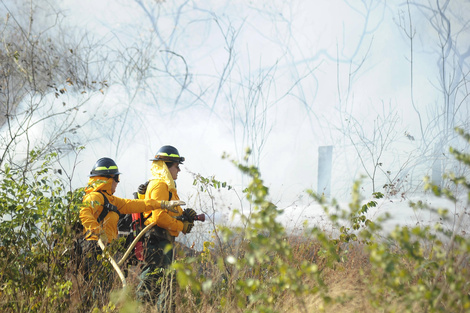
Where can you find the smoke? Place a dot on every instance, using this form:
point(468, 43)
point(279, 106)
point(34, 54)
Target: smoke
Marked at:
point(281, 78)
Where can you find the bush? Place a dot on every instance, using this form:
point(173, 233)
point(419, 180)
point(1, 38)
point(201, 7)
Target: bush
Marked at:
point(422, 268)
point(255, 266)
point(36, 216)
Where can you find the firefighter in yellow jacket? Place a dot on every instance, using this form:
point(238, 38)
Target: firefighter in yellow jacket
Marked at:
point(160, 239)
point(100, 214)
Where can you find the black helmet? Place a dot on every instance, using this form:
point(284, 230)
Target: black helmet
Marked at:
point(105, 167)
point(168, 154)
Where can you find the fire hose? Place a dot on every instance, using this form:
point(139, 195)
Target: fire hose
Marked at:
point(116, 265)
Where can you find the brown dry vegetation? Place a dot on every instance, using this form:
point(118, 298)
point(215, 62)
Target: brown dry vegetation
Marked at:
point(348, 285)
point(255, 267)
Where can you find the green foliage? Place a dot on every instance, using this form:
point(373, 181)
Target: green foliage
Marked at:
point(421, 268)
point(253, 267)
point(255, 260)
point(35, 217)
point(206, 184)
point(353, 225)
point(424, 267)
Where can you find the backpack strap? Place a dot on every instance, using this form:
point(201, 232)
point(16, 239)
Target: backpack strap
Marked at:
point(106, 208)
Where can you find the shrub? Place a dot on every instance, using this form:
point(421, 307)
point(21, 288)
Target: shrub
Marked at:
point(36, 213)
point(252, 267)
point(254, 261)
point(424, 267)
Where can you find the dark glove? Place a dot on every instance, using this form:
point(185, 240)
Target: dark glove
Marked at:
point(189, 214)
point(143, 188)
point(187, 226)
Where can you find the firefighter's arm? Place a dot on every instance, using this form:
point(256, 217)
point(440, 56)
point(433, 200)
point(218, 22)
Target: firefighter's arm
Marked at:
point(92, 207)
point(164, 220)
point(128, 206)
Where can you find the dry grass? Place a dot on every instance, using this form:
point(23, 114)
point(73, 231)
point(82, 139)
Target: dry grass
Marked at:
point(346, 284)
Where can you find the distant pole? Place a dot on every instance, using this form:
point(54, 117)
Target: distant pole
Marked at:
point(325, 157)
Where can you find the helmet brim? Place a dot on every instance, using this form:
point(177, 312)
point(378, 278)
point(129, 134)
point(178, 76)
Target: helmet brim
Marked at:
point(179, 160)
point(104, 175)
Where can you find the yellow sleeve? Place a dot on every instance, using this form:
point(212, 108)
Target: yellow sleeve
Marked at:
point(128, 206)
point(164, 220)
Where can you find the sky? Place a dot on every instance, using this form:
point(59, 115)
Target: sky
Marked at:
point(284, 77)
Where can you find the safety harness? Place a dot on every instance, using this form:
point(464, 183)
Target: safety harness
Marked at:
point(106, 208)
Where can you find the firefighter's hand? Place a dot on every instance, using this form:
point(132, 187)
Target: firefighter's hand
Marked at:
point(187, 226)
point(190, 214)
point(143, 188)
point(170, 205)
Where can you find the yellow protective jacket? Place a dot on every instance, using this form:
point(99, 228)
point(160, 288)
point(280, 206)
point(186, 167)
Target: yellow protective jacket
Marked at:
point(93, 205)
point(159, 188)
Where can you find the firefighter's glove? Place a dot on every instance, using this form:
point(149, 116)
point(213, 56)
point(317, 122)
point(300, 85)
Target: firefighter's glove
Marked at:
point(170, 205)
point(187, 226)
point(189, 214)
point(143, 188)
